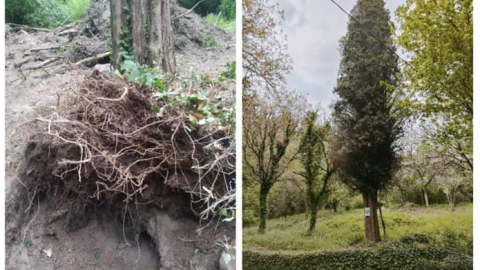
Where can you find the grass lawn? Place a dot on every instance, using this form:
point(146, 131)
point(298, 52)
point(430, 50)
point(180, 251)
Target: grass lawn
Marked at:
point(345, 230)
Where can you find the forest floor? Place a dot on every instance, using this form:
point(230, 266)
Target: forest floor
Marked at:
point(344, 230)
point(33, 240)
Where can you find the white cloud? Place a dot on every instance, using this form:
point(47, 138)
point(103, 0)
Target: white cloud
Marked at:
point(314, 28)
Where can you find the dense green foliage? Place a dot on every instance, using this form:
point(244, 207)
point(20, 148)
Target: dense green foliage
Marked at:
point(398, 255)
point(366, 130)
point(45, 13)
point(227, 7)
point(198, 108)
point(343, 230)
point(316, 168)
point(439, 77)
point(217, 20)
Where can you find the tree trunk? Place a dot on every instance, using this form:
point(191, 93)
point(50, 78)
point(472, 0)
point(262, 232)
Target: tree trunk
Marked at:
point(425, 196)
point(263, 209)
point(139, 23)
point(150, 31)
point(372, 230)
point(168, 57)
point(313, 217)
point(116, 25)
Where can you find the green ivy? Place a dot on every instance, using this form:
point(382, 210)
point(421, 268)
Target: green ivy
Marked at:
point(197, 107)
point(396, 255)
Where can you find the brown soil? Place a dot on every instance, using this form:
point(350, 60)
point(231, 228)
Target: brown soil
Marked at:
point(46, 213)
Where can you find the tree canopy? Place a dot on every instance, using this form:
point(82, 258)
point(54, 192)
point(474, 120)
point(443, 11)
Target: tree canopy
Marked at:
point(438, 36)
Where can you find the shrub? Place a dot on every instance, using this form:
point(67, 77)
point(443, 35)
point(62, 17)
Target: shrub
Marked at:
point(227, 7)
point(229, 71)
point(209, 41)
point(204, 8)
point(392, 256)
point(45, 13)
point(220, 22)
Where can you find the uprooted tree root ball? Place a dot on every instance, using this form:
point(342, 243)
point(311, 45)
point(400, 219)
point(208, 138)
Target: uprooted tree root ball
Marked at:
point(106, 148)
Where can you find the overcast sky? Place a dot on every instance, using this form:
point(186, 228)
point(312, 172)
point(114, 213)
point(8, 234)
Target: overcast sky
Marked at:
point(313, 29)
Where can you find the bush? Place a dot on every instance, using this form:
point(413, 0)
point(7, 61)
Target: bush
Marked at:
point(209, 41)
point(204, 8)
point(227, 7)
point(220, 22)
point(392, 256)
point(45, 13)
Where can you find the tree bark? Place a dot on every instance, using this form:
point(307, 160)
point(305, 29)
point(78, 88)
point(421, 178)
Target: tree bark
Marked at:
point(168, 57)
point(372, 230)
point(425, 196)
point(150, 29)
point(139, 22)
point(263, 209)
point(313, 217)
point(116, 25)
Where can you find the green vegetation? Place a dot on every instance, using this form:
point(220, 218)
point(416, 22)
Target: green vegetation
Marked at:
point(218, 20)
point(46, 13)
point(227, 7)
point(316, 167)
point(439, 78)
point(209, 41)
point(230, 70)
point(343, 230)
point(398, 256)
point(403, 162)
point(366, 129)
point(197, 107)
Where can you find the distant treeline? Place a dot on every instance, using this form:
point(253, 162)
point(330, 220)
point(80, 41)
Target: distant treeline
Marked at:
point(227, 7)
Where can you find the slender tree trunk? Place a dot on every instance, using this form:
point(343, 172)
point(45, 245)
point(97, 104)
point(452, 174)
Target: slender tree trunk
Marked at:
point(263, 209)
point(383, 221)
point(425, 196)
point(116, 25)
point(313, 217)
point(139, 23)
point(168, 57)
point(372, 230)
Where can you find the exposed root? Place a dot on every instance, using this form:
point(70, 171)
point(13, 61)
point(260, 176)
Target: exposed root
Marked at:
point(106, 146)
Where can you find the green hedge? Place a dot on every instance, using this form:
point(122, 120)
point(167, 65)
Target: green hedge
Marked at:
point(398, 256)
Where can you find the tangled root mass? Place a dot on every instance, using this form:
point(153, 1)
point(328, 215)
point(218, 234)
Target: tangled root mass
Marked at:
point(106, 147)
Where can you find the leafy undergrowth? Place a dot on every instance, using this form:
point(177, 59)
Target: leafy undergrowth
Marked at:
point(394, 255)
point(220, 21)
point(441, 227)
point(48, 13)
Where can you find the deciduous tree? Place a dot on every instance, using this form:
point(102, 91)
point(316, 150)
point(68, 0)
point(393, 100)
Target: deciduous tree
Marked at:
point(438, 35)
point(270, 123)
point(317, 169)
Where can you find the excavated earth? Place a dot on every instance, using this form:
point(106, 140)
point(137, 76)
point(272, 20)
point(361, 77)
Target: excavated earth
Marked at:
point(37, 238)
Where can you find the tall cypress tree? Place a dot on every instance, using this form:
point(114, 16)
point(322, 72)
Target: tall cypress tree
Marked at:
point(366, 127)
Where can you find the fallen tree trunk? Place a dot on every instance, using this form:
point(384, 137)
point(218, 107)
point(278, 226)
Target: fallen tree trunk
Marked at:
point(92, 59)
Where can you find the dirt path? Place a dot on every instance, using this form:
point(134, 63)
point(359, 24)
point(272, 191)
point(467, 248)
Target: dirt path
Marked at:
point(32, 240)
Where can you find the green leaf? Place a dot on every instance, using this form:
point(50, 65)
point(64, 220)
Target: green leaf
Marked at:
point(28, 244)
point(96, 255)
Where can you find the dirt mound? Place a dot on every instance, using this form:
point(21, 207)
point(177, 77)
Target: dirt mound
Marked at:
point(191, 30)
